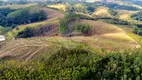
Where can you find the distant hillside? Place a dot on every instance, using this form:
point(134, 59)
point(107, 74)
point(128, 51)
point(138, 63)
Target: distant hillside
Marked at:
point(52, 18)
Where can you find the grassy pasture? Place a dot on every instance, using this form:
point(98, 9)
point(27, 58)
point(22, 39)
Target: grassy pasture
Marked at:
point(102, 12)
point(129, 30)
point(106, 34)
point(58, 6)
point(125, 14)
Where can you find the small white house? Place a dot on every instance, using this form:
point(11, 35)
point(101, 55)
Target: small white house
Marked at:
point(2, 38)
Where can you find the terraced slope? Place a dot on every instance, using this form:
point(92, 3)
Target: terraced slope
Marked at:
point(27, 49)
point(107, 36)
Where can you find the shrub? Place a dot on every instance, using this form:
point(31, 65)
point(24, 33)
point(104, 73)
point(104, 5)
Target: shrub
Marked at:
point(84, 28)
point(28, 32)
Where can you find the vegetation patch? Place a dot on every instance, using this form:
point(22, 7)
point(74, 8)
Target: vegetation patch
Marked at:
point(137, 16)
point(76, 64)
point(21, 16)
point(3, 16)
point(4, 30)
point(25, 16)
point(46, 30)
point(84, 28)
point(71, 23)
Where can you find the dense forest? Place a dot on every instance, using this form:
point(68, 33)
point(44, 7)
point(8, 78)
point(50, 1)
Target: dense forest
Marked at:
point(11, 18)
point(3, 16)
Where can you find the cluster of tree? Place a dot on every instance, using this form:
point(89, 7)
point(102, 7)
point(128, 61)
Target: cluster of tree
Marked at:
point(21, 16)
point(5, 11)
point(137, 16)
point(64, 23)
point(71, 23)
point(81, 8)
point(113, 12)
point(138, 29)
point(25, 16)
point(28, 32)
point(84, 28)
point(117, 6)
point(4, 21)
point(76, 64)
